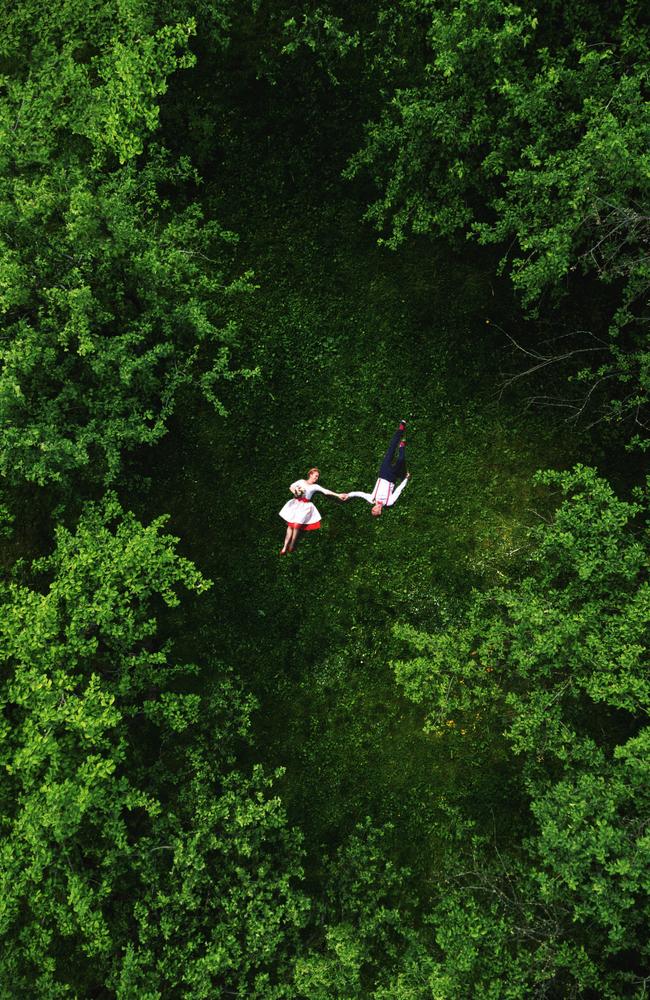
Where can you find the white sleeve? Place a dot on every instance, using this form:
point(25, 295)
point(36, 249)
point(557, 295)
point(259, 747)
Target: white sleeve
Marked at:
point(321, 489)
point(397, 492)
point(299, 484)
point(364, 496)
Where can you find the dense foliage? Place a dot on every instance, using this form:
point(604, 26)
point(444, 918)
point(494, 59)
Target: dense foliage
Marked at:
point(560, 657)
point(132, 857)
point(409, 762)
point(526, 126)
point(114, 285)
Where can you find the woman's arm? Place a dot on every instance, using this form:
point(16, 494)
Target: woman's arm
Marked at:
point(329, 493)
point(297, 487)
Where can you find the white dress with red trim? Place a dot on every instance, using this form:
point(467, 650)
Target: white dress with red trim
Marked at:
point(301, 512)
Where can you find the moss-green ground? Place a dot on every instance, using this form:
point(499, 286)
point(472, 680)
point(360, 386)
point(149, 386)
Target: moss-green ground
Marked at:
point(349, 338)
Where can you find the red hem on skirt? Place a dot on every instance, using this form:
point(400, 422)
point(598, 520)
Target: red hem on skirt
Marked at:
point(305, 527)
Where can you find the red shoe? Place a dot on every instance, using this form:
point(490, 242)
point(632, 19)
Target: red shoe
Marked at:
point(282, 552)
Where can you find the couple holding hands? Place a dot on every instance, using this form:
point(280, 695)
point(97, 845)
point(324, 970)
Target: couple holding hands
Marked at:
point(301, 514)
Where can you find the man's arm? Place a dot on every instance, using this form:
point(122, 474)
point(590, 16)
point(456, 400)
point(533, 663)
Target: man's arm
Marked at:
point(364, 496)
point(399, 489)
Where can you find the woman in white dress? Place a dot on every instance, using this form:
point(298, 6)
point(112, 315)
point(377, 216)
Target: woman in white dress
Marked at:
point(300, 513)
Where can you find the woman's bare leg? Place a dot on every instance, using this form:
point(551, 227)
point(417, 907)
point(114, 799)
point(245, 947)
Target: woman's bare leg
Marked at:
point(287, 538)
point(295, 532)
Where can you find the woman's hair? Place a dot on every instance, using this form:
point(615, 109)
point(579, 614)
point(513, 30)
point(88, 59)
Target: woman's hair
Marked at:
point(315, 469)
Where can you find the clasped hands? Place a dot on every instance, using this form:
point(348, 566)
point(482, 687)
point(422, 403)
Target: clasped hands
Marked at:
point(346, 496)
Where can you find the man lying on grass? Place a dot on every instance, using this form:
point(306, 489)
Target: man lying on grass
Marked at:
point(385, 493)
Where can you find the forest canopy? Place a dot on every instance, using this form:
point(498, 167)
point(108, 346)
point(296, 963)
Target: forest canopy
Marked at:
point(237, 241)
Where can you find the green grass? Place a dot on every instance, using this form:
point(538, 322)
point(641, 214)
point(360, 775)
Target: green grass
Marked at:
point(349, 338)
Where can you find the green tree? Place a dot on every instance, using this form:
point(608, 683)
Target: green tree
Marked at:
point(526, 126)
point(364, 922)
point(114, 288)
point(559, 658)
point(134, 856)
